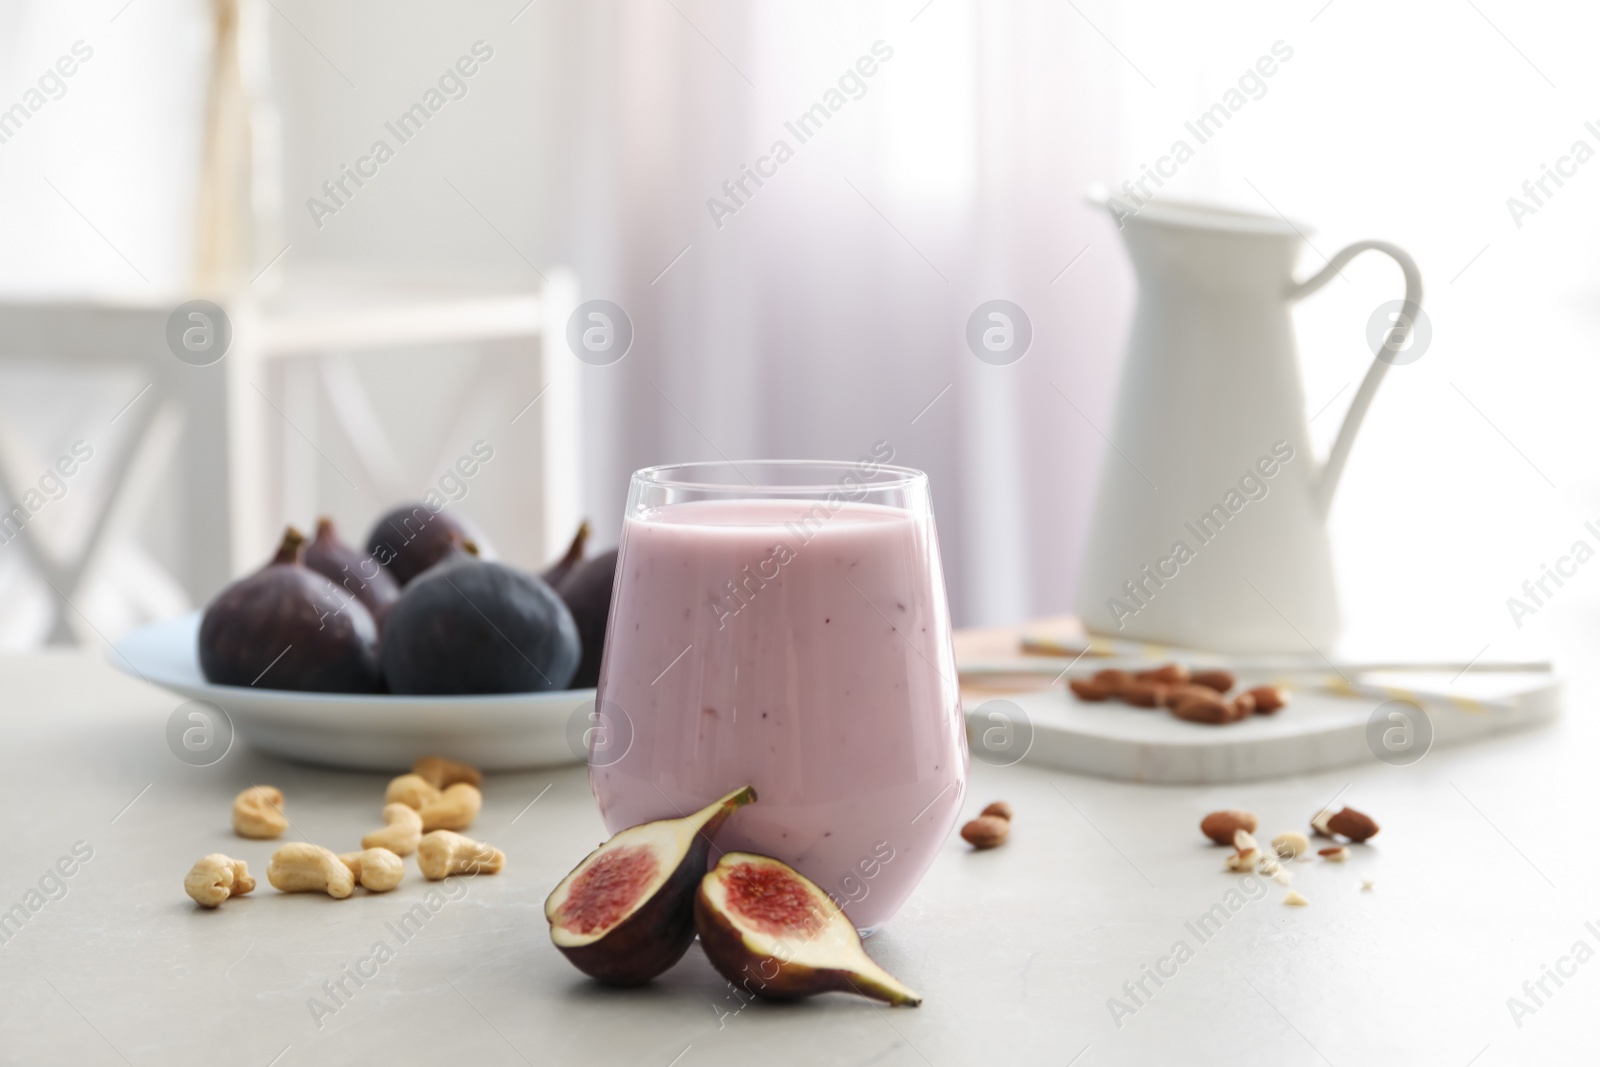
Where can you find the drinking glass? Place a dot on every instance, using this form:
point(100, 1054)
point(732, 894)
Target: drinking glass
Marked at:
point(783, 624)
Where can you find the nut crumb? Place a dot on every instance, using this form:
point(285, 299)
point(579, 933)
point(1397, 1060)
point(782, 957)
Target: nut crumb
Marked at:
point(1294, 899)
point(1366, 885)
point(1338, 854)
point(1243, 862)
point(1290, 843)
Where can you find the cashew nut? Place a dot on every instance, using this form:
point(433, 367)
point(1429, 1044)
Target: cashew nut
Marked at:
point(377, 869)
point(304, 868)
point(444, 773)
point(215, 878)
point(258, 813)
point(454, 810)
point(411, 790)
point(400, 835)
point(443, 853)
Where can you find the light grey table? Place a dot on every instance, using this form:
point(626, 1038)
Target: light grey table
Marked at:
point(1483, 876)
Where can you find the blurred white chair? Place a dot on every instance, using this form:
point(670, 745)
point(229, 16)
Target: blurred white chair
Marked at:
point(206, 464)
point(64, 363)
point(451, 364)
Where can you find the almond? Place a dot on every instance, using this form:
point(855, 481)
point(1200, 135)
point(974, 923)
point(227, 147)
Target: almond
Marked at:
point(1269, 698)
point(986, 831)
point(1177, 694)
point(1243, 706)
point(1353, 824)
point(1167, 674)
point(1336, 854)
point(1143, 693)
point(1112, 680)
point(999, 809)
point(1221, 826)
point(1211, 710)
point(1215, 678)
point(1084, 689)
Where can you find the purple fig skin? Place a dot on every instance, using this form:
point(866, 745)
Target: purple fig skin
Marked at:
point(358, 575)
point(557, 572)
point(288, 627)
point(743, 965)
point(587, 593)
point(413, 537)
point(657, 935)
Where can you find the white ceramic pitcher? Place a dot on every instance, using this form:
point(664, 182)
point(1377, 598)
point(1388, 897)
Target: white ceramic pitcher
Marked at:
point(1209, 525)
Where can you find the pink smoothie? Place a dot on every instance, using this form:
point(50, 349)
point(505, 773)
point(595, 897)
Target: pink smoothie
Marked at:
point(805, 652)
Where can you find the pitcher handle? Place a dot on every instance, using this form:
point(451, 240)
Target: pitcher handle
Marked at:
point(1394, 341)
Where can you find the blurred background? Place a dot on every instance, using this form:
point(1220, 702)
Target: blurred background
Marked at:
point(383, 328)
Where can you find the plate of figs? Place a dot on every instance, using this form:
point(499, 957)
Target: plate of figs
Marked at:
point(421, 642)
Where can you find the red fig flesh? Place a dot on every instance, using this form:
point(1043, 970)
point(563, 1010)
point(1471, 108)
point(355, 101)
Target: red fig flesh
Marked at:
point(768, 928)
point(626, 913)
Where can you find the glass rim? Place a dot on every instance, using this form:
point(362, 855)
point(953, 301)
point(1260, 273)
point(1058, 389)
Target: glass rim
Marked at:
point(668, 476)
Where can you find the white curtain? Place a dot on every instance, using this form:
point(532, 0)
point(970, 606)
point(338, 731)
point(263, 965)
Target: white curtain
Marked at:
point(829, 310)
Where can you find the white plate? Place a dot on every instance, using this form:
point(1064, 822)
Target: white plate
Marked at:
point(503, 731)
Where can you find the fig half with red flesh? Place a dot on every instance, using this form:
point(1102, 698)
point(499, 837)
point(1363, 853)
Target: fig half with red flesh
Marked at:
point(626, 913)
point(768, 928)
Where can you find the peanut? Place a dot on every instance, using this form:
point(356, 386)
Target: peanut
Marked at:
point(215, 878)
point(986, 831)
point(258, 813)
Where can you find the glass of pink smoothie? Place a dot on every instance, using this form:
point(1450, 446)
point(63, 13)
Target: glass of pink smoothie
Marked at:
point(783, 624)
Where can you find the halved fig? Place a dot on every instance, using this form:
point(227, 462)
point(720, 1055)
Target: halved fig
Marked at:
point(626, 913)
point(768, 928)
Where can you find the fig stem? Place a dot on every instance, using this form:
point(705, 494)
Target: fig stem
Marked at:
point(291, 547)
point(580, 541)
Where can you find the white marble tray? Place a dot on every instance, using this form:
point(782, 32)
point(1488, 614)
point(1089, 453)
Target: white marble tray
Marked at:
point(1316, 731)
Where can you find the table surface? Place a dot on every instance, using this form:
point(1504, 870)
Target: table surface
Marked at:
point(1481, 880)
